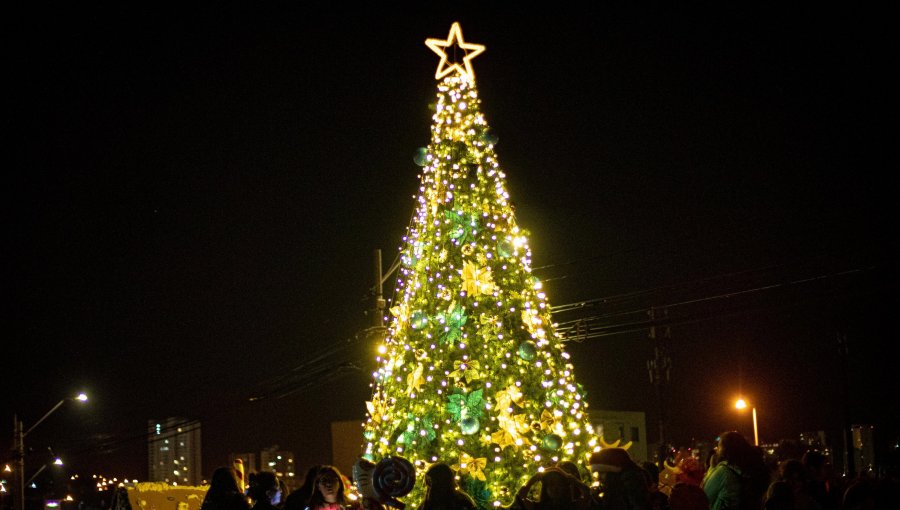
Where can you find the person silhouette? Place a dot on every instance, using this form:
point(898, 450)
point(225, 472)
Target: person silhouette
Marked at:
point(441, 492)
point(330, 492)
point(686, 494)
point(581, 489)
point(264, 490)
point(224, 491)
point(299, 498)
point(821, 484)
point(658, 499)
point(558, 492)
point(623, 484)
point(780, 496)
point(740, 478)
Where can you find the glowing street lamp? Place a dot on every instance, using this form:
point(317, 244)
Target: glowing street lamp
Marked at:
point(741, 404)
point(56, 462)
point(19, 444)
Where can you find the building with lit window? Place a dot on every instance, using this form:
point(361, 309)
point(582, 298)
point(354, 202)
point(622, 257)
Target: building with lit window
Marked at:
point(863, 448)
point(173, 449)
point(281, 462)
point(624, 427)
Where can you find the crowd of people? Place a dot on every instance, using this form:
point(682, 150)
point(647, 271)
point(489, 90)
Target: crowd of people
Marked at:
point(734, 477)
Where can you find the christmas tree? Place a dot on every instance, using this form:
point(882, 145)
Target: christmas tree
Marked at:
point(470, 371)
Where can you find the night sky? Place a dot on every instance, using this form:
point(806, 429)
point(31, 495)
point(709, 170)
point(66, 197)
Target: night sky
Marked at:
point(194, 197)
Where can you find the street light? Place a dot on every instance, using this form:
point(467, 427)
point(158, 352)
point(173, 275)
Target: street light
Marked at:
point(19, 443)
point(741, 404)
point(56, 462)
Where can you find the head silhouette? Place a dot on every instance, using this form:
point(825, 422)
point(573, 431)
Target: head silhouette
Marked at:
point(223, 486)
point(733, 447)
point(556, 486)
point(570, 468)
point(224, 479)
point(440, 478)
point(611, 459)
point(263, 486)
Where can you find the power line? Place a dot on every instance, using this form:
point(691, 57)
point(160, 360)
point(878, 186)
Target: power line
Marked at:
point(591, 327)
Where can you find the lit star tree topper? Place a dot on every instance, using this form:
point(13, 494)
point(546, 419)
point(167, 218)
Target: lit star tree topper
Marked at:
point(471, 371)
point(454, 40)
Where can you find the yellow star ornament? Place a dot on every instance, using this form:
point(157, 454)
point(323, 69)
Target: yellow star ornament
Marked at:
point(455, 38)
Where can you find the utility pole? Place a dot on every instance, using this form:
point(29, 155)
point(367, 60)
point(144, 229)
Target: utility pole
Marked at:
point(19, 448)
point(380, 277)
point(378, 322)
point(19, 434)
point(847, 433)
point(659, 369)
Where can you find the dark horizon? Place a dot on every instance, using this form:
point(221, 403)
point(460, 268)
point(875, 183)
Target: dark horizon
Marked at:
point(196, 197)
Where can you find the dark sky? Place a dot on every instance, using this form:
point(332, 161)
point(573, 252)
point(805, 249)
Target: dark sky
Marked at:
point(194, 197)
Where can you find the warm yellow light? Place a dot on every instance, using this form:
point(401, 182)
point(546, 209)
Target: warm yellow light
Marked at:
point(472, 50)
point(741, 404)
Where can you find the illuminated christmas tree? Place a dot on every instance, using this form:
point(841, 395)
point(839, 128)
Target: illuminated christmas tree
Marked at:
point(471, 372)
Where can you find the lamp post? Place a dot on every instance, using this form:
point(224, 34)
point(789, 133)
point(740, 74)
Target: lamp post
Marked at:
point(741, 404)
point(56, 462)
point(19, 445)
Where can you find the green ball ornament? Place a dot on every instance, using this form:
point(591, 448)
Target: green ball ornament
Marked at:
point(469, 425)
point(527, 350)
point(505, 249)
point(369, 435)
point(489, 137)
point(421, 156)
point(418, 319)
point(551, 442)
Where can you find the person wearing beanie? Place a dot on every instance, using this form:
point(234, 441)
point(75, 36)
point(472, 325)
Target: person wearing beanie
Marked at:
point(623, 484)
